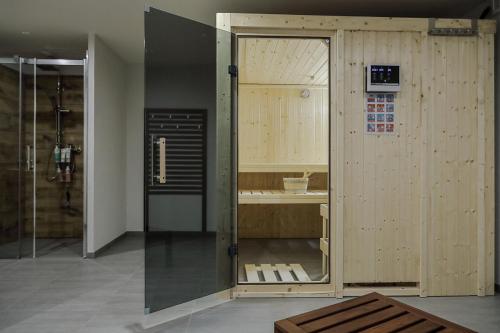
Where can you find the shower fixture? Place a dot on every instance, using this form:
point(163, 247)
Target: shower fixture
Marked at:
point(63, 154)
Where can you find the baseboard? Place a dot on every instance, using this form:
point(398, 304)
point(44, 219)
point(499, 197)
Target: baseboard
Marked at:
point(93, 255)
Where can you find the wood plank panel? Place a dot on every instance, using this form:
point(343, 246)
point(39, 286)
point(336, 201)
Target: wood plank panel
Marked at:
point(489, 178)
point(279, 221)
point(454, 166)
point(283, 61)
point(337, 168)
point(278, 126)
point(381, 171)
point(312, 22)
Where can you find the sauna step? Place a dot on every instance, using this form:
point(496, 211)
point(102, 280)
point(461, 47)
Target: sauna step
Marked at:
point(278, 273)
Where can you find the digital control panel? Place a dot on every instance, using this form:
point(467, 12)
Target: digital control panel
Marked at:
point(382, 78)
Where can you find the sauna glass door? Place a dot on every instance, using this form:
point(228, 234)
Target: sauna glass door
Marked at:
point(187, 160)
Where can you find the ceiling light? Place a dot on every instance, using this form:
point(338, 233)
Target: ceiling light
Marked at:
point(25, 33)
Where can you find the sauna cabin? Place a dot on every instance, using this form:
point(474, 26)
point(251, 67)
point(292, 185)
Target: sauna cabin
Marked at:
point(364, 155)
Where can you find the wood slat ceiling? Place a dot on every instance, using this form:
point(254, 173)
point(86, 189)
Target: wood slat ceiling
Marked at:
point(283, 61)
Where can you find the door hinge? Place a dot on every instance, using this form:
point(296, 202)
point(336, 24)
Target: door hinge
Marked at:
point(232, 250)
point(233, 70)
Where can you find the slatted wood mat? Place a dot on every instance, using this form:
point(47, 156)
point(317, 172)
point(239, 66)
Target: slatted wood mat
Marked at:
point(279, 273)
point(372, 313)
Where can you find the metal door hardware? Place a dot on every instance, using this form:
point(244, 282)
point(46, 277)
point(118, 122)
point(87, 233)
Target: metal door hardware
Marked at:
point(233, 70)
point(434, 31)
point(162, 176)
point(232, 250)
point(29, 160)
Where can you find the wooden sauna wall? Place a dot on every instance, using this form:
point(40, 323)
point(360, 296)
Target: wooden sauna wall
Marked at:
point(281, 133)
point(54, 221)
point(459, 168)
point(278, 126)
point(9, 122)
point(418, 205)
point(381, 172)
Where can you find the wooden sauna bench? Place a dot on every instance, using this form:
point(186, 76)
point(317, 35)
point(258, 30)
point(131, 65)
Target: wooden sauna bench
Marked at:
point(265, 210)
point(281, 197)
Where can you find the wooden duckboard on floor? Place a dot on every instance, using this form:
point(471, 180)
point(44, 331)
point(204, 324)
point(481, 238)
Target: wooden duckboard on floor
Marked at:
point(372, 313)
point(269, 271)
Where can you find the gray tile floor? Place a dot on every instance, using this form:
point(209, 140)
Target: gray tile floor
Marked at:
point(68, 294)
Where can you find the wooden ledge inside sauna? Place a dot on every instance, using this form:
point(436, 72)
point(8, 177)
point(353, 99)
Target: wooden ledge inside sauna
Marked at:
point(281, 197)
point(284, 167)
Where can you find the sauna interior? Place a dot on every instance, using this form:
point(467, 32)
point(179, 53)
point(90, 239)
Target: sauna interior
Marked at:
point(42, 119)
point(283, 159)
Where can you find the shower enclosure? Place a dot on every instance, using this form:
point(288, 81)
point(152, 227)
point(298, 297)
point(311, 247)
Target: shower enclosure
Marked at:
point(42, 126)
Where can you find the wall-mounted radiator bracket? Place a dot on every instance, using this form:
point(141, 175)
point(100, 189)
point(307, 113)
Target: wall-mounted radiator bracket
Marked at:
point(434, 31)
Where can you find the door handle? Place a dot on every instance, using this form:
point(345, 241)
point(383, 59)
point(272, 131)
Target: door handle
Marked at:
point(152, 159)
point(163, 153)
point(29, 162)
point(162, 176)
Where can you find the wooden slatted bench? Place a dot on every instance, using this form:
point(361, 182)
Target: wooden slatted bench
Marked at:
point(372, 313)
point(270, 273)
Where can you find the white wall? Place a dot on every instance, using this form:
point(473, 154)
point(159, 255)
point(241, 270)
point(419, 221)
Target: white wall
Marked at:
point(135, 147)
point(106, 146)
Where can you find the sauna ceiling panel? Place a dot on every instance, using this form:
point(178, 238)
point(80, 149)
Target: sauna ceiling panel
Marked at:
point(283, 61)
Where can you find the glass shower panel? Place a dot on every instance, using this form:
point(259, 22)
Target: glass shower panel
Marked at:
point(59, 159)
point(31, 207)
point(28, 200)
point(187, 160)
point(10, 140)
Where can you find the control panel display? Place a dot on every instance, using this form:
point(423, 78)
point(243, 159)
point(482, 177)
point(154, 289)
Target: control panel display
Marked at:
point(382, 78)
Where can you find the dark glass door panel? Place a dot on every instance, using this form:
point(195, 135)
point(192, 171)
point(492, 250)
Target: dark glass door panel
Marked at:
point(10, 149)
point(187, 163)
